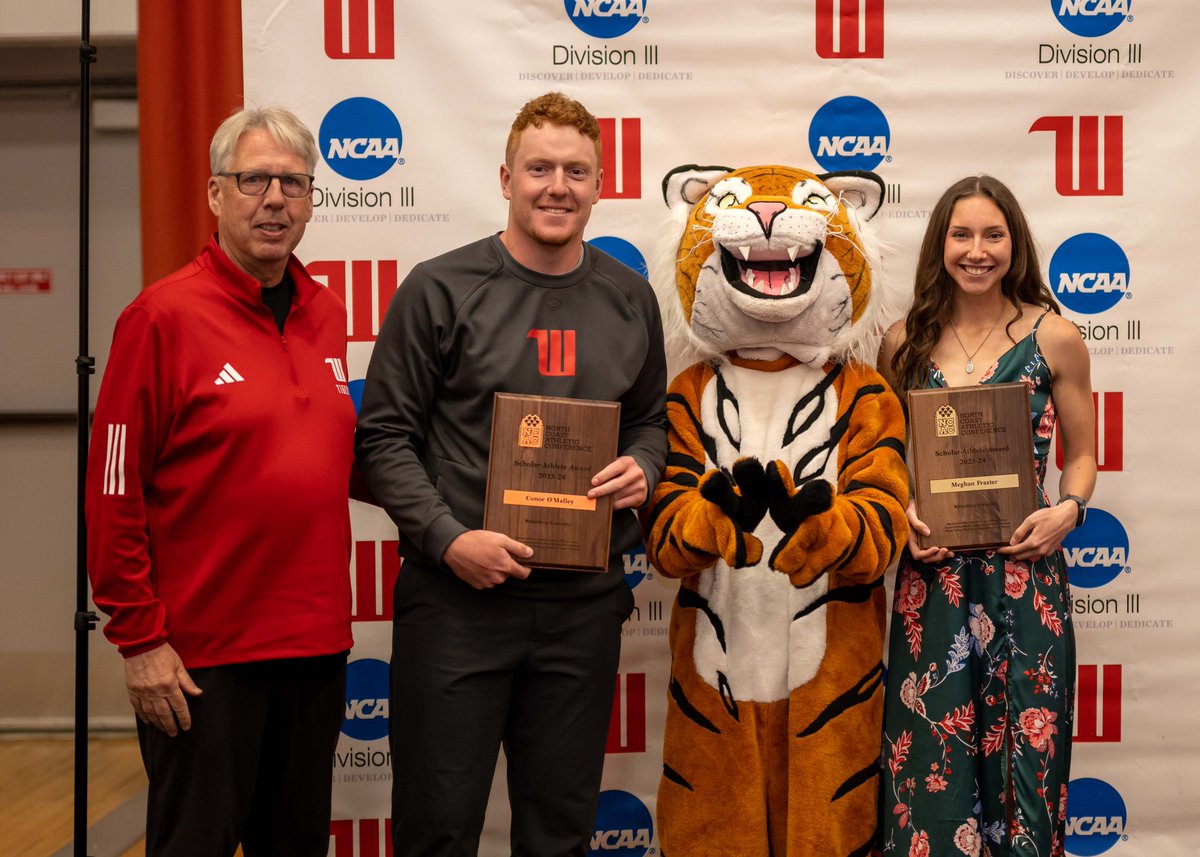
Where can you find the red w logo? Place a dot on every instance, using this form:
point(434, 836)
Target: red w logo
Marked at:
point(360, 29)
point(1093, 151)
point(621, 158)
point(1098, 708)
point(850, 29)
point(1109, 435)
point(374, 568)
point(627, 729)
point(373, 839)
point(556, 352)
point(365, 287)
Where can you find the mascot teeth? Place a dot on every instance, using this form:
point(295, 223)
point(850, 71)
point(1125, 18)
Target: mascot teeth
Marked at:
point(771, 278)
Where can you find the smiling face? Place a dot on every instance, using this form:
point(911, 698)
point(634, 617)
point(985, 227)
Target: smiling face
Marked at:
point(770, 257)
point(978, 248)
point(551, 184)
point(258, 233)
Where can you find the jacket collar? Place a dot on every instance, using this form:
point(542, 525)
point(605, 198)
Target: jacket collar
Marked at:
point(243, 286)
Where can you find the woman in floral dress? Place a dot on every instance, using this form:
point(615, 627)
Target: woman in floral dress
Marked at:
point(981, 665)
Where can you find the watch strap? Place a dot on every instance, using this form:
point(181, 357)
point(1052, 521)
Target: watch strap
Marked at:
point(1082, 503)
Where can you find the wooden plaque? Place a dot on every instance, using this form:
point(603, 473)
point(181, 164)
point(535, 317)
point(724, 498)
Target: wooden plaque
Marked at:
point(971, 449)
point(544, 453)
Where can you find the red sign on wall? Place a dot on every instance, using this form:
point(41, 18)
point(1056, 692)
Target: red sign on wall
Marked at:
point(24, 281)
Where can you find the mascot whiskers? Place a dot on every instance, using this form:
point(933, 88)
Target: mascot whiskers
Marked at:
point(781, 507)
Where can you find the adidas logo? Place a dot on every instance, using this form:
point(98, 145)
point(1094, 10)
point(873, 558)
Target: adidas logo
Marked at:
point(229, 375)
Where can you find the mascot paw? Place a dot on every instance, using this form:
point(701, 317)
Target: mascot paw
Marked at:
point(741, 495)
point(790, 507)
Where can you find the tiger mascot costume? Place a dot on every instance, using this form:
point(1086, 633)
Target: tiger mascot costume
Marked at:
point(780, 509)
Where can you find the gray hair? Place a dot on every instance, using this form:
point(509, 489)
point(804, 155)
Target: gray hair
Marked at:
point(279, 122)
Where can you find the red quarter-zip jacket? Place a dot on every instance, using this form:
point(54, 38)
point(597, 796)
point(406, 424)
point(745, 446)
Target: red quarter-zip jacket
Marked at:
point(217, 478)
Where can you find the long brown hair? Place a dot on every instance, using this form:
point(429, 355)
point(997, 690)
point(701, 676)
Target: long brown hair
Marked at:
point(933, 286)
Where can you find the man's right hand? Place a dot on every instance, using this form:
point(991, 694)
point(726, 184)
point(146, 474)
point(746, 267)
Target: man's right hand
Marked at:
point(157, 681)
point(483, 559)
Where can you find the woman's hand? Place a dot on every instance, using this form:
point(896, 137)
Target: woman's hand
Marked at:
point(916, 525)
point(1042, 533)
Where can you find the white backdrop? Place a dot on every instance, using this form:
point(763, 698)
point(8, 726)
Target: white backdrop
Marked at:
point(1084, 107)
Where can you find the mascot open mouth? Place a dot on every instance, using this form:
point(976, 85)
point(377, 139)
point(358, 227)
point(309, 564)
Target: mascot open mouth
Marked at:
point(770, 278)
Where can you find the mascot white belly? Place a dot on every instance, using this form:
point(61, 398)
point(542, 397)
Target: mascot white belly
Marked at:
point(765, 653)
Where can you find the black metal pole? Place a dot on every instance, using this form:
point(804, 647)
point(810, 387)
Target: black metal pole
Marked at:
point(85, 365)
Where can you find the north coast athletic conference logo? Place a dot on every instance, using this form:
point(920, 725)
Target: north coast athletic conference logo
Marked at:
point(1096, 817)
point(360, 138)
point(1096, 552)
point(624, 827)
point(360, 29)
point(946, 421)
point(606, 19)
point(849, 133)
point(849, 29)
point(1089, 273)
point(1091, 18)
point(1091, 147)
point(366, 700)
point(531, 432)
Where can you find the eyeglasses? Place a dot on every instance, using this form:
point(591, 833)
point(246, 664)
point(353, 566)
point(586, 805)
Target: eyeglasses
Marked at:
point(294, 185)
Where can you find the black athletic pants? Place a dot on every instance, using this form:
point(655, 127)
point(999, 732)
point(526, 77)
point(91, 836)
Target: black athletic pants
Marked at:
point(472, 670)
point(256, 767)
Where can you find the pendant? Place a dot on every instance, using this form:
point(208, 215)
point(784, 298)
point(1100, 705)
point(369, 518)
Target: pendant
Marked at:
point(970, 366)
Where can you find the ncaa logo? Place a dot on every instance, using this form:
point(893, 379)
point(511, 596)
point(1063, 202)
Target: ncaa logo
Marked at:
point(636, 566)
point(360, 139)
point(1091, 18)
point(849, 133)
point(1089, 273)
point(622, 251)
point(1096, 817)
point(366, 700)
point(606, 19)
point(1096, 552)
point(623, 826)
point(356, 392)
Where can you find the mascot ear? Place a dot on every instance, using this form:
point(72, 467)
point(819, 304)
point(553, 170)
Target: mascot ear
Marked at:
point(686, 185)
point(860, 189)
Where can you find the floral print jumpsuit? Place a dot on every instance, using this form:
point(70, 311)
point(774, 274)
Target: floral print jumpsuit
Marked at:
point(981, 676)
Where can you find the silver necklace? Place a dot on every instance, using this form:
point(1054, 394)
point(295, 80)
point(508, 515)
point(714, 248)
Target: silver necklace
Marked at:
point(970, 367)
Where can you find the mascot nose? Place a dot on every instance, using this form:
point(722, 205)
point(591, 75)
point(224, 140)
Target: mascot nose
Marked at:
point(766, 212)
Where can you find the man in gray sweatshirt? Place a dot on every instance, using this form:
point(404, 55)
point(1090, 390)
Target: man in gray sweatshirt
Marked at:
point(487, 649)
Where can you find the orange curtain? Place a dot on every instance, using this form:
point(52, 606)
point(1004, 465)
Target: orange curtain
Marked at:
point(189, 79)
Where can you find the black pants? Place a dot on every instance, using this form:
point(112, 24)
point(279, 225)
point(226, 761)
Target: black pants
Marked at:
point(473, 670)
point(257, 765)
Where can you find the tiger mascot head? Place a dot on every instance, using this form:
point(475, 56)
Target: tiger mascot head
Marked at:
point(771, 259)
